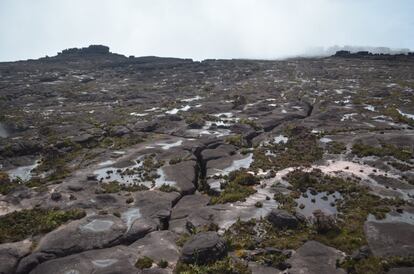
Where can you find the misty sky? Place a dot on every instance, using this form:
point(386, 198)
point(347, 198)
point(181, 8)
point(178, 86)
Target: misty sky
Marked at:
point(202, 29)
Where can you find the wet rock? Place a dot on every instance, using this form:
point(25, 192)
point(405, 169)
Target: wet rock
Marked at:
point(11, 253)
point(203, 247)
point(308, 259)
point(282, 219)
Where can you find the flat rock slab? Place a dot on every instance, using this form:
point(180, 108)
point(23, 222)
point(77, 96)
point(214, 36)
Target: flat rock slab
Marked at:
point(88, 233)
point(158, 245)
point(315, 258)
point(390, 239)
point(119, 259)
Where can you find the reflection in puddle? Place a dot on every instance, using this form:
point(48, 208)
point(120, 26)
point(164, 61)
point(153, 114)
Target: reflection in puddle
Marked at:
point(320, 201)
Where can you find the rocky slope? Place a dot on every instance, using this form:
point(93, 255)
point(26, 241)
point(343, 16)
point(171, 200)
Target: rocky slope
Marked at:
point(114, 164)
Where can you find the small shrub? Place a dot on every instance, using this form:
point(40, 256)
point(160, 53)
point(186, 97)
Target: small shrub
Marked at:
point(144, 262)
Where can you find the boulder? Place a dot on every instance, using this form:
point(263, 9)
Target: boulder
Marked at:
point(11, 253)
point(203, 248)
point(281, 219)
point(158, 245)
point(390, 239)
point(315, 258)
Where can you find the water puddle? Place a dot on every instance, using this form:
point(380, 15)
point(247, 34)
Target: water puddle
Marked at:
point(348, 116)
point(325, 140)
point(280, 139)
point(176, 110)
point(162, 179)
point(407, 115)
point(196, 98)
point(320, 201)
point(98, 225)
point(126, 175)
point(130, 216)
point(166, 146)
point(3, 131)
point(23, 173)
point(238, 164)
point(104, 263)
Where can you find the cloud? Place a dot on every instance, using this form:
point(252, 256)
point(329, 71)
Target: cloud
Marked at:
point(202, 29)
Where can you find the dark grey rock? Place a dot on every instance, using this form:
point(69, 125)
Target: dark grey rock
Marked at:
point(282, 219)
point(11, 253)
point(203, 247)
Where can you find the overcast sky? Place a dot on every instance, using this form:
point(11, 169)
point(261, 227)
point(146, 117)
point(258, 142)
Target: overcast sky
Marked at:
point(202, 29)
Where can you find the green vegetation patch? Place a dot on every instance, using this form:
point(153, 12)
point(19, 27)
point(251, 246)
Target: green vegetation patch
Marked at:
point(376, 265)
point(401, 153)
point(115, 187)
point(167, 188)
point(301, 149)
point(144, 262)
point(225, 266)
point(22, 224)
point(238, 186)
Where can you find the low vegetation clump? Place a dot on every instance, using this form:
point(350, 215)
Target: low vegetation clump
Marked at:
point(144, 262)
point(403, 154)
point(195, 121)
point(252, 234)
point(335, 147)
point(242, 177)
point(376, 265)
point(233, 192)
point(225, 266)
point(236, 140)
point(167, 188)
point(397, 116)
point(238, 186)
point(115, 187)
point(162, 264)
point(22, 224)
point(301, 149)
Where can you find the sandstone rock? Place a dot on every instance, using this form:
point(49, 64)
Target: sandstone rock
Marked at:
point(282, 219)
point(203, 247)
point(315, 258)
point(11, 253)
